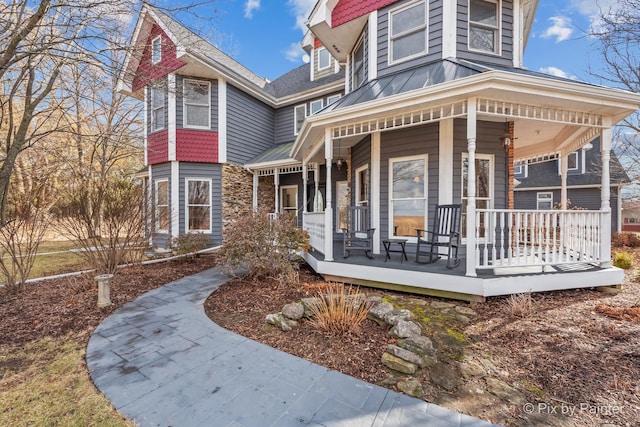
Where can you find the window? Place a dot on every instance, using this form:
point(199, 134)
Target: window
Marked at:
point(197, 104)
point(156, 50)
point(342, 205)
point(332, 99)
point(362, 186)
point(408, 195)
point(198, 215)
point(157, 108)
point(299, 113)
point(544, 201)
point(408, 32)
point(520, 169)
point(484, 189)
point(484, 25)
point(162, 206)
point(357, 65)
point(289, 200)
point(316, 106)
point(572, 160)
point(324, 59)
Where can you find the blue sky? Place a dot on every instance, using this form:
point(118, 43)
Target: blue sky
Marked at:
point(265, 35)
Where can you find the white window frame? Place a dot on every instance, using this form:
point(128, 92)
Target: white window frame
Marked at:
point(185, 104)
point(492, 184)
point(359, 45)
point(358, 180)
point(155, 109)
point(393, 160)
point(333, 98)
point(569, 169)
point(423, 28)
point(156, 55)
point(296, 129)
point(187, 204)
point(341, 202)
point(156, 205)
point(521, 169)
point(548, 197)
point(497, 49)
point(289, 208)
point(319, 52)
point(317, 102)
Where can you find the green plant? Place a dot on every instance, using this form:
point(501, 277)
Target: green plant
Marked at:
point(261, 245)
point(189, 243)
point(623, 260)
point(341, 310)
point(520, 305)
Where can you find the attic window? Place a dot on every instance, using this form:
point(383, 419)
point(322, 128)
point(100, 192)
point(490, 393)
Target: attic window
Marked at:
point(324, 59)
point(156, 50)
point(408, 32)
point(484, 25)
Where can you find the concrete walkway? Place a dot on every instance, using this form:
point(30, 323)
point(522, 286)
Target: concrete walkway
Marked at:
point(162, 362)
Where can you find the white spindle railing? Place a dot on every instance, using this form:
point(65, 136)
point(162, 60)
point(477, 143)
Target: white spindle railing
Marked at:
point(506, 238)
point(313, 222)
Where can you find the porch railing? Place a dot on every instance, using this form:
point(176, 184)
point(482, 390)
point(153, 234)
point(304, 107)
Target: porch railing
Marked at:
point(506, 238)
point(313, 222)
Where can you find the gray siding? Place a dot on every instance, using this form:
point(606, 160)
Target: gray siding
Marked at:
point(203, 171)
point(506, 53)
point(160, 171)
point(434, 38)
point(250, 127)
point(585, 198)
point(180, 101)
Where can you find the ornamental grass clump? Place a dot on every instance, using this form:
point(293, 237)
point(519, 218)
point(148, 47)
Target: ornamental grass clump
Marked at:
point(338, 310)
point(623, 260)
point(520, 305)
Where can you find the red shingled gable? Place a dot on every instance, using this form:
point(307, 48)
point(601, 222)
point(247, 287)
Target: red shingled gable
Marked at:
point(196, 146)
point(147, 71)
point(348, 10)
point(157, 147)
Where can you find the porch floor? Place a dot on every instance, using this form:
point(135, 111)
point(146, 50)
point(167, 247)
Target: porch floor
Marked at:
point(437, 279)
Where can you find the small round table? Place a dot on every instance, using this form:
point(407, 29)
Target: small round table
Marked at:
point(387, 248)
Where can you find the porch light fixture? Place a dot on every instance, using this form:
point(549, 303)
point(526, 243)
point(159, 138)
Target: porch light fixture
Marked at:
point(588, 146)
point(506, 136)
point(339, 160)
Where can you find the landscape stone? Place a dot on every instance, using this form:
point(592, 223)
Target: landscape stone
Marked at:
point(378, 312)
point(405, 355)
point(293, 311)
point(440, 305)
point(404, 329)
point(390, 380)
point(397, 364)
point(309, 302)
point(394, 316)
point(462, 318)
point(504, 391)
point(418, 344)
point(373, 300)
point(281, 321)
point(445, 376)
point(411, 387)
point(471, 369)
point(466, 311)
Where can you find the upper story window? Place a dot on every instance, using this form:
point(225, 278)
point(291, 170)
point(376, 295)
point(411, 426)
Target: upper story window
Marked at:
point(157, 108)
point(299, 113)
point(156, 50)
point(332, 99)
point(544, 201)
point(572, 160)
point(484, 25)
point(357, 65)
point(408, 32)
point(197, 104)
point(324, 59)
point(316, 106)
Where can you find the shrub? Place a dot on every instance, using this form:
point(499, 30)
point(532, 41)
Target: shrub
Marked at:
point(340, 310)
point(520, 305)
point(189, 243)
point(627, 239)
point(623, 260)
point(262, 245)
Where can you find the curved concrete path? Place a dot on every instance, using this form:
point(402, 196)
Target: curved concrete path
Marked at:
point(162, 362)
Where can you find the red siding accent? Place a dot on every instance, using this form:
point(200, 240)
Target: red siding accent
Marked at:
point(196, 146)
point(148, 72)
point(158, 147)
point(631, 227)
point(348, 10)
point(316, 43)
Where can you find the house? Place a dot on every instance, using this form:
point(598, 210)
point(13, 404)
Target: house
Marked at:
point(539, 186)
point(631, 216)
point(405, 105)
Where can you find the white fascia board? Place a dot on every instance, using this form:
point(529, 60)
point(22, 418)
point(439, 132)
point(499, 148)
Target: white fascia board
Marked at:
point(274, 164)
point(222, 120)
point(558, 187)
point(373, 46)
point(180, 48)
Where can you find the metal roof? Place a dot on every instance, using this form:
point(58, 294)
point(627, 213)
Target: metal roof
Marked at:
point(273, 154)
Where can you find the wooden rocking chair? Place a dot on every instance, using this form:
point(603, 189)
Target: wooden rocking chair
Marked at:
point(445, 233)
point(358, 236)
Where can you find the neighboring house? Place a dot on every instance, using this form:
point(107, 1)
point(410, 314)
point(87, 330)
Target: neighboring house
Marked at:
point(631, 216)
point(405, 105)
point(539, 186)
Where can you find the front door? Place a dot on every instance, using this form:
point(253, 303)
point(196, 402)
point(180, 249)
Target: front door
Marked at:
point(289, 200)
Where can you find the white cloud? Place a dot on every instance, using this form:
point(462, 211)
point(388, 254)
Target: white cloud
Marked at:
point(294, 53)
point(555, 71)
point(301, 10)
point(561, 29)
point(250, 6)
point(592, 9)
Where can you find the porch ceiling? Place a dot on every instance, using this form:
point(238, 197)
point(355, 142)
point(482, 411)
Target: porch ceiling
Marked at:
point(549, 116)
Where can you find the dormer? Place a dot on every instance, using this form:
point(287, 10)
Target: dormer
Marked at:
point(322, 63)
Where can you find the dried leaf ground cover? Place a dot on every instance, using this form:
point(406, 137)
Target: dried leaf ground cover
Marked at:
point(573, 363)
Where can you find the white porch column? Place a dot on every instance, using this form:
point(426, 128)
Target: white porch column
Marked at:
point(564, 168)
point(605, 194)
point(328, 211)
point(276, 183)
point(445, 163)
point(255, 191)
point(374, 206)
point(316, 184)
point(471, 187)
point(305, 196)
